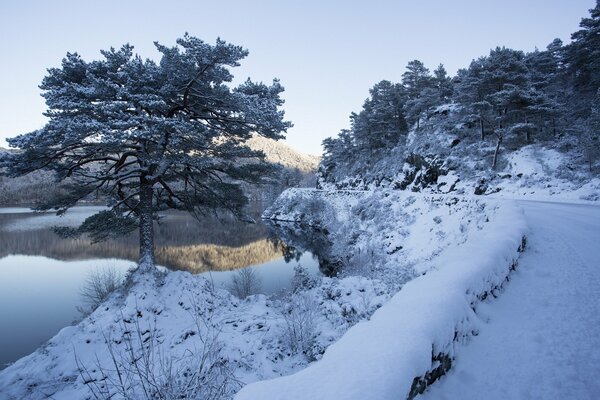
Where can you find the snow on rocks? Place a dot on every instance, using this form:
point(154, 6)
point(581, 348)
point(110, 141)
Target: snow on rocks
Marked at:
point(535, 172)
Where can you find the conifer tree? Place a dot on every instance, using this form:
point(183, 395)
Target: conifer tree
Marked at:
point(443, 84)
point(416, 80)
point(151, 135)
point(582, 59)
point(591, 137)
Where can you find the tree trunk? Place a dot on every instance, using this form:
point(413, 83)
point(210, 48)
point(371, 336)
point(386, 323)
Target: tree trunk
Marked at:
point(497, 152)
point(146, 260)
point(481, 128)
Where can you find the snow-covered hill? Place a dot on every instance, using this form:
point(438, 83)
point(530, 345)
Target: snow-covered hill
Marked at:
point(445, 155)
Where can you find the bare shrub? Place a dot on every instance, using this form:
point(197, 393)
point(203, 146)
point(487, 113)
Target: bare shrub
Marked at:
point(300, 316)
point(98, 285)
point(139, 367)
point(245, 282)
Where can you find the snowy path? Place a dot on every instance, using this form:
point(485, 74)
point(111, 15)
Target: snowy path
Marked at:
point(543, 336)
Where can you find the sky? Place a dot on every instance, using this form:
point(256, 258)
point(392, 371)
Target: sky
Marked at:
point(327, 54)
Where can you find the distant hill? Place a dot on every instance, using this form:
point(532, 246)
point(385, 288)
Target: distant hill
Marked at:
point(299, 170)
point(280, 153)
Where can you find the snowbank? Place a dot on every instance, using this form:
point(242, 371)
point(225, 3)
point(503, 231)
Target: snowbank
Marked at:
point(415, 333)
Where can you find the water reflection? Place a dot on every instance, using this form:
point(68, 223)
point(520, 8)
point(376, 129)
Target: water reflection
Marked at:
point(182, 243)
point(41, 274)
point(38, 297)
point(301, 239)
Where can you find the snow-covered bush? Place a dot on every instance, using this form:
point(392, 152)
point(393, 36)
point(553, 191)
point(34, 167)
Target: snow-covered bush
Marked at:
point(302, 280)
point(140, 367)
point(300, 317)
point(245, 282)
point(97, 286)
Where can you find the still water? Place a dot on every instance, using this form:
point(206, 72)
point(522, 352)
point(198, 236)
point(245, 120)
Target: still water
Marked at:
point(41, 274)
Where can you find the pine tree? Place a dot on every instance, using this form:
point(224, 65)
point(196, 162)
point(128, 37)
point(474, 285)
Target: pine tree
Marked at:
point(338, 157)
point(381, 122)
point(582, 59)
point(591, 137)
point(151, 136)
point(415, 80)
point(546, 78)
point(443, 84)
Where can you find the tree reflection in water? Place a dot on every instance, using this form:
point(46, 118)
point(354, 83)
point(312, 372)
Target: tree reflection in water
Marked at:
point(182, 242)
point(301, 238)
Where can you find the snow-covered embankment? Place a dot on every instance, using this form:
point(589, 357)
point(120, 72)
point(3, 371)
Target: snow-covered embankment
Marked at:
point(411, 339)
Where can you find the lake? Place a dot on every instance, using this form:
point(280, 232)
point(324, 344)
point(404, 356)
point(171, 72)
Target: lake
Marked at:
point(41, 274)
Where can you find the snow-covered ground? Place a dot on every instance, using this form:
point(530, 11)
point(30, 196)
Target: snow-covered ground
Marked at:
point(542, 336)
point(417, 329)
point(538, 173)
point(395, 236)
point(355, 336)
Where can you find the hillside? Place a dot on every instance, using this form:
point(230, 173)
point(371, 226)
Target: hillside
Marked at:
point(280, 153)
point(510, 121)
point(446, 154)
point(298, 170)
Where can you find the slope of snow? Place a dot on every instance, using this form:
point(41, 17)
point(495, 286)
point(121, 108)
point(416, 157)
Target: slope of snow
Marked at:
point(542, 340)
point(380, 358)
point(535, 172)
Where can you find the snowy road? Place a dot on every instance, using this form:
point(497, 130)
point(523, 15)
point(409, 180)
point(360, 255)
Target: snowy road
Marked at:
point(542, 340)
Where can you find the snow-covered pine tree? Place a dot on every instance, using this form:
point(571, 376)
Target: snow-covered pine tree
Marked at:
point(443, 84)
point(591, 137)
point(379, 127)
point(338, 157)
point(151, 136)
point(417, 79)
point(545, 77)
point(582, 62)
point(381, 123)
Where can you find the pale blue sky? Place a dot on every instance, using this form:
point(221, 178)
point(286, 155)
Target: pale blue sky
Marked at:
point(326, 53)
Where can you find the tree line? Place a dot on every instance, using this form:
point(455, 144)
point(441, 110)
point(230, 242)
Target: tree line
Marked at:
point(545, 96)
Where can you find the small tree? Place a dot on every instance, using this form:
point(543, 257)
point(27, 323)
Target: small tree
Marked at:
point(150, 136)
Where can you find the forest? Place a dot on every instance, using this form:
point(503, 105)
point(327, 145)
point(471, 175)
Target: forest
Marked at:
point(498, 104)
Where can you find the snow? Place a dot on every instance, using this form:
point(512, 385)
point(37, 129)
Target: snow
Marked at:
point(421, 273)
point(542, 334)
point(532, 160)
point(379, 358)
point(537, 173)
point(258, 335)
